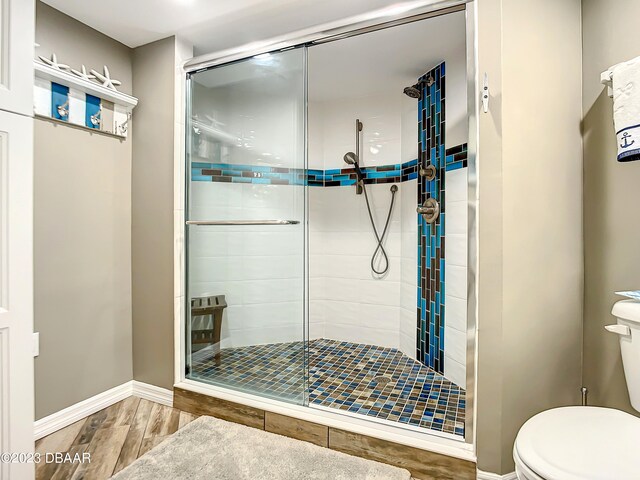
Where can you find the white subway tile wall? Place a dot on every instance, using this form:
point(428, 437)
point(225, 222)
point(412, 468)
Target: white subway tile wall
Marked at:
point(258, 269)
point(349, 302)
point(332, 128)
point(455, 324)
point(409, 282)
point(409, 233)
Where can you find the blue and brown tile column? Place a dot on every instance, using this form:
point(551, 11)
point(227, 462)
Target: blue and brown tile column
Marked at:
point(431, 237)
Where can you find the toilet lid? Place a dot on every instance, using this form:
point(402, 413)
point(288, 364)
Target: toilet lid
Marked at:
point(581, 443)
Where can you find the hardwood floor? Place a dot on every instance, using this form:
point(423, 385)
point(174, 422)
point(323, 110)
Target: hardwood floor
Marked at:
point(118, 435)
point(114, 437)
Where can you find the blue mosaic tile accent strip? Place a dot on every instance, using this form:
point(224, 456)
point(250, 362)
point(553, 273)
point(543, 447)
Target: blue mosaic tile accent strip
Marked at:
point(456, 157)
point(225, 172)
point(410, 170)
point(377, 382)
point(431, 237)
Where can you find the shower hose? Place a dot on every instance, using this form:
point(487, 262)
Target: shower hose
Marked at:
point(380, 238)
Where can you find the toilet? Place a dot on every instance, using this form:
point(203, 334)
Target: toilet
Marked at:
point(588, 443)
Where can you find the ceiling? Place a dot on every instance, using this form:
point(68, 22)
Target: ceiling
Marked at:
point(210, 25)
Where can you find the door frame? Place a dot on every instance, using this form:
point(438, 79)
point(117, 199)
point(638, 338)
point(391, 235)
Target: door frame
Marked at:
point(17, 397)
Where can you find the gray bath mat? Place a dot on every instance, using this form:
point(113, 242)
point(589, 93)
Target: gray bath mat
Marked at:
point(212, 449)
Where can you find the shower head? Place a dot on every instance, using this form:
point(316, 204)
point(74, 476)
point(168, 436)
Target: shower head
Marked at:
point(351, 158)
point(413, 91)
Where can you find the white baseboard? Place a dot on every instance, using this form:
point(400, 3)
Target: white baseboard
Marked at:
point(54, 422)
point(152, 393)
point(494, 476)
point(80, 410)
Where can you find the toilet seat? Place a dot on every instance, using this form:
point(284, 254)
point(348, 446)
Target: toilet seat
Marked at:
point(523, 472)
point(579, 443)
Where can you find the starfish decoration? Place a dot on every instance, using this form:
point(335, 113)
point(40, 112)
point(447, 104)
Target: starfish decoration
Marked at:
point(106, 79)
point(53, 62)
point(83, 73)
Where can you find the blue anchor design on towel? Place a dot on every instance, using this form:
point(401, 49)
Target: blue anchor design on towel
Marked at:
point(626, 143)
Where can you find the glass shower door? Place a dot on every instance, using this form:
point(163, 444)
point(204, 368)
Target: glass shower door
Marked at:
point(245, 232)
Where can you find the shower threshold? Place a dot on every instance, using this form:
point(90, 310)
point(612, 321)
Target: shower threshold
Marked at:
point(357, 380)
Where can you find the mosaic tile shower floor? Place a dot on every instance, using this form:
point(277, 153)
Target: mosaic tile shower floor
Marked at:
point(365, 379)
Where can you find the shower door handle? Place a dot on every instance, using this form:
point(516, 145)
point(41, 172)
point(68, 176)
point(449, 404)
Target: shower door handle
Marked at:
point(241, 222)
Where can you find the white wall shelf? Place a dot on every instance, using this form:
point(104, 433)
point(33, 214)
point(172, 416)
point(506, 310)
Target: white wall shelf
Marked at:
point(108, 112)
point(70, 80)
point(97, 131)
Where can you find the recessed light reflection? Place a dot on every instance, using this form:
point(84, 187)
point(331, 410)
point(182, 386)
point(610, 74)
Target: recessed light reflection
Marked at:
point(399, 8)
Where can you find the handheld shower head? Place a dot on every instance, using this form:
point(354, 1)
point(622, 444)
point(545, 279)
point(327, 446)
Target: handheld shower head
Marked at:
point(351, 158)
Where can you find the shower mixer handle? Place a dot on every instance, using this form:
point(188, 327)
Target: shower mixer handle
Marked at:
point(430, 210)
point(426, 210)
point(428, 172)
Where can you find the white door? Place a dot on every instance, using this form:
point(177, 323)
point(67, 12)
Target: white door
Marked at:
point(16, 292)
point(17, 24)
point(17, 37)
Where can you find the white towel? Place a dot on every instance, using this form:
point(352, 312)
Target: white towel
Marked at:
point(625, 78)
point(634, 294)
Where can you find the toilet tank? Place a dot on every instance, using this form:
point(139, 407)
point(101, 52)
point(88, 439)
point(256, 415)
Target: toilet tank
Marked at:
point(627, 313)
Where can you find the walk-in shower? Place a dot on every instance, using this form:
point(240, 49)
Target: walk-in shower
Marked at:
point(301, 291)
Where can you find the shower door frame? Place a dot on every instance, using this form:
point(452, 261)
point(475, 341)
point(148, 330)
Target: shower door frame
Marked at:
point(381, 19)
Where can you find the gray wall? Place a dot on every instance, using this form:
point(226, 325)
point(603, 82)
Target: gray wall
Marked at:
point(611, 199)
point(82, 235)
point(82, 258)
point(530, 219)
point(102, 224)
point(76, 44)
point(152, 212)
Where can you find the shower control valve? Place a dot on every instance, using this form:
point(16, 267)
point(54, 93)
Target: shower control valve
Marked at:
point(430, 210)
point(428, 172)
